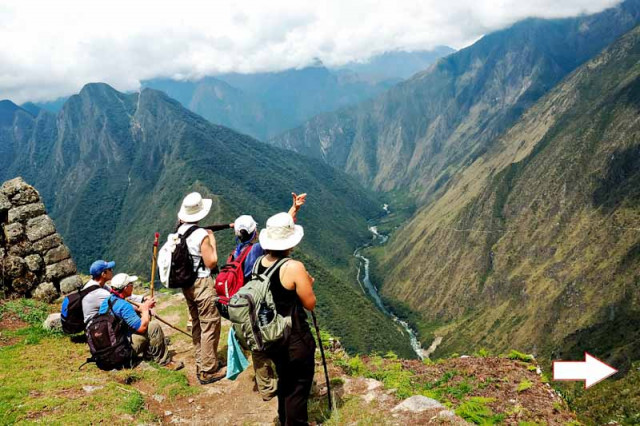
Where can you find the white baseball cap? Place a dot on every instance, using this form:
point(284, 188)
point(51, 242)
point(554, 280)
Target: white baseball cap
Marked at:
point(244, 222)
point(121, 280)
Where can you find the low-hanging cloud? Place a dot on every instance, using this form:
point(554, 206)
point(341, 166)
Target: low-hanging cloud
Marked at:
point(52, 48)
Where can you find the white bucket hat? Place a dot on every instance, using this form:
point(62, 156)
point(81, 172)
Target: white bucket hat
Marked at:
point(194, 208)
point(281, 233)
point(122, 280)
point(244, 222)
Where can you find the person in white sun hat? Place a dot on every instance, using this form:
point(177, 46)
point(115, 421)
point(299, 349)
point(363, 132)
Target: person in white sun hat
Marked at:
point(292, 289)
point(246, 232)
point(205, 330)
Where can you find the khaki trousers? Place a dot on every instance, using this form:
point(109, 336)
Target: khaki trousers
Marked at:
point(205, 330)
point(151, 345)
point(265, 371)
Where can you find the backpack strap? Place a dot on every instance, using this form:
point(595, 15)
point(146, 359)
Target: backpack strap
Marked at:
point(275, 267)
point(254, 270)
point(187, 234)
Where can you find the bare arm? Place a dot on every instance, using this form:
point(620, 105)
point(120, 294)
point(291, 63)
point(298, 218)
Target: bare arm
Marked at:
point(209, 251)
point(298, 201)
point(296, 274)
point(145, 314)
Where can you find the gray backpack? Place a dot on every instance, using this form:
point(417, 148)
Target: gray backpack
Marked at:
point(252, 311)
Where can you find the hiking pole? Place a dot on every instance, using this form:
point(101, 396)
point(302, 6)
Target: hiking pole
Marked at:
point(324, 361)
point(153, 262)
point(161, 319)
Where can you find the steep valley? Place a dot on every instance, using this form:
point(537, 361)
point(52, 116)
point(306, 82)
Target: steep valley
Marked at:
point(535, 244)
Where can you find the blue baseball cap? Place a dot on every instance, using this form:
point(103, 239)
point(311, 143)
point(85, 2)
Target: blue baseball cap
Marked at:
point(99, 266)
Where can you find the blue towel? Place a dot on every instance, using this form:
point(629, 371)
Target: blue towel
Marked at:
point(236, 361)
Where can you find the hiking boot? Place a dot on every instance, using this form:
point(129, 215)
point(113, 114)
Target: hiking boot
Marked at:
point(207, 378)
point(174, 365)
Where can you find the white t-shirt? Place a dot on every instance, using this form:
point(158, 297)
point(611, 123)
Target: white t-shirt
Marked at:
point(193, 243)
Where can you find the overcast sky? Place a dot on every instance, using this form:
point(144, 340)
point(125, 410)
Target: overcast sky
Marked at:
point(51, 48)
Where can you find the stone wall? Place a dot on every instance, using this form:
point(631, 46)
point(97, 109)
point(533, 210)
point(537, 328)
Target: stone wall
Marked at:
point(34, 262)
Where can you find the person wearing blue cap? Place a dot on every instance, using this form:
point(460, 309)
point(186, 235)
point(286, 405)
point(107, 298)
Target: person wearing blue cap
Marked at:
point(101, 272)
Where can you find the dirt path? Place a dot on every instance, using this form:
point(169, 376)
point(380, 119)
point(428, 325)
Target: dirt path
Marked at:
point(225, 402)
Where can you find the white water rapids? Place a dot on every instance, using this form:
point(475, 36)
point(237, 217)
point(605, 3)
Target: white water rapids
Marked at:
point(365, 282)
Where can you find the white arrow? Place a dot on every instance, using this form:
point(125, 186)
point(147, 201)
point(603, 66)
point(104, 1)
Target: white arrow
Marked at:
point(592, 370)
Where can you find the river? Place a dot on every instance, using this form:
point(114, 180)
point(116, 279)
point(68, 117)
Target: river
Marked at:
point(368, 287)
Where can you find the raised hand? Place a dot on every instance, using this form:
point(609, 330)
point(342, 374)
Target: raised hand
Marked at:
point(298, 200)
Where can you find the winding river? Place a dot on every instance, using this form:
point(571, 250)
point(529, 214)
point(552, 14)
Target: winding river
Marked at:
point(368, 287)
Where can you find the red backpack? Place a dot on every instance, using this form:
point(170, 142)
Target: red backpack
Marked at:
point(231, 276)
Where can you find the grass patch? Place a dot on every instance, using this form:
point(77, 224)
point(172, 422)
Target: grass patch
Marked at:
point(40, 380)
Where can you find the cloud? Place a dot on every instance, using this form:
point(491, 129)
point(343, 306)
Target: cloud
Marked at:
point(53, 48)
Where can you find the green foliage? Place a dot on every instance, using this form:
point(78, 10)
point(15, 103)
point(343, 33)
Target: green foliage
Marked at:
point(524, 385)
point(482, 353)
point(477, 410)
point(520, 356)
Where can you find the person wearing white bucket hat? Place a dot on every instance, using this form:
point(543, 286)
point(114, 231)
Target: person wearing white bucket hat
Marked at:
point(205, 330)
point(292, 289)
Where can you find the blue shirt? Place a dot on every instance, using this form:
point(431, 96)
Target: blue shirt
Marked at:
point(254, 254)
point(123, 310)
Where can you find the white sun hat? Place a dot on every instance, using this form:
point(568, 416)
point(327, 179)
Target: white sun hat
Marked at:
point(120, 281)
point(244, 222)
point(194, 208)
point(281, 233)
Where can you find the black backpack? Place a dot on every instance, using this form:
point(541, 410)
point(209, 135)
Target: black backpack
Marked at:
point(109, 341)
point(71, 314)
point(182, 274)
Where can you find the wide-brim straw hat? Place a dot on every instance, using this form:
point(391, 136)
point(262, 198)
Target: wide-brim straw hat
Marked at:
point(194, 208)
point(281, 233)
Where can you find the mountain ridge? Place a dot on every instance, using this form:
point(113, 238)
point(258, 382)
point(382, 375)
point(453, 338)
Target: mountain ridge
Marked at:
point(415, 136)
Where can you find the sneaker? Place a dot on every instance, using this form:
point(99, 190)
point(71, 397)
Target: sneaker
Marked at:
point(207, 378)
point(174, 365)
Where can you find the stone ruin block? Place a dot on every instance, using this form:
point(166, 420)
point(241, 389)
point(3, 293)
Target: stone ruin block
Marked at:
point(40, 227)
point(26, 212)
point(56, 255)
point(33, 259)
point(46, 292)
point(34, 263)
point(60, 270)
point(47, 243)
point(70, 284)
point(13, 233)
point(28, 196)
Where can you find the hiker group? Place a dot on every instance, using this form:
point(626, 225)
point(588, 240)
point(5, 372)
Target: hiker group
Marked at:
point(262, 291)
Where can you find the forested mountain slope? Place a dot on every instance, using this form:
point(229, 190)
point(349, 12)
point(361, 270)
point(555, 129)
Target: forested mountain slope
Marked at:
point(113, 168)
point(536, 245)
point(421, 132)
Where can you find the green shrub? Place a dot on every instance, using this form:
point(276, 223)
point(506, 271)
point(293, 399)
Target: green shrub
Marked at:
point(476, 410)
point(524, 385)
point(520, 356)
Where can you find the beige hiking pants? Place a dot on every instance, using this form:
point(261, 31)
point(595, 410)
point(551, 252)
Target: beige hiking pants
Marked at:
point(205, 330)
point(266, 378)
point(151, 345)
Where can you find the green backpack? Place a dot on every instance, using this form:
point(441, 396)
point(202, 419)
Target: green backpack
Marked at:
point(252, 311)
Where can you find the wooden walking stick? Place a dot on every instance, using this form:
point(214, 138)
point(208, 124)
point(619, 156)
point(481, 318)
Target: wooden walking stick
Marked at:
point(162, 320)
point(153, 262)
point(324, 361)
